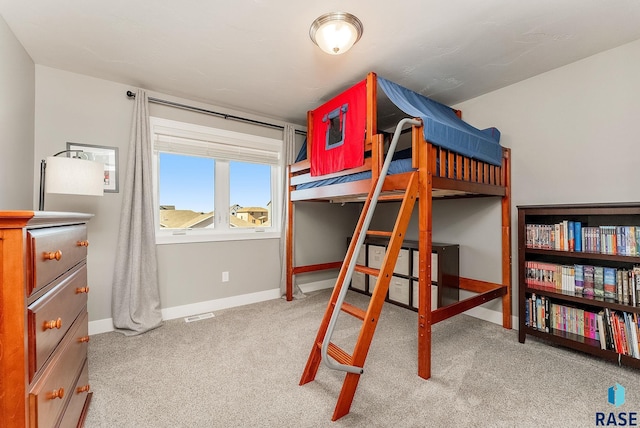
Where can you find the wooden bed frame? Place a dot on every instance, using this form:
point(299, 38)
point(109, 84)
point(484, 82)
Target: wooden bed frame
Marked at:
point(442, 174)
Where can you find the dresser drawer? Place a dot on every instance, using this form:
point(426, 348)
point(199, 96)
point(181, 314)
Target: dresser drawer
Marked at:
point(52, 251)
point(51, 316)
point(49, 395)
point(77, 400)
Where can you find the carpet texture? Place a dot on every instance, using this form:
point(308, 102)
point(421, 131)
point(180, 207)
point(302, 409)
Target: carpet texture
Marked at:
point(242, 369)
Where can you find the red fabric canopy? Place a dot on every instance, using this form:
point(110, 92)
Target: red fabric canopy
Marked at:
point(338, 132)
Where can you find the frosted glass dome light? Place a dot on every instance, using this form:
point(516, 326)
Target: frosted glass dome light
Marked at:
point(336, 32)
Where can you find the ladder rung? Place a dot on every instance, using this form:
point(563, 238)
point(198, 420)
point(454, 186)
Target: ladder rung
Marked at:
point(337, 353)
point(368, 270)
point(353, 310)
point(379, 233)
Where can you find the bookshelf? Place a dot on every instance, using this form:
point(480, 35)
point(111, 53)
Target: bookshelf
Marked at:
point(564, 254)
point(403, 289)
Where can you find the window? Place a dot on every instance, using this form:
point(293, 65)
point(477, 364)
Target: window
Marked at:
point(212, 184)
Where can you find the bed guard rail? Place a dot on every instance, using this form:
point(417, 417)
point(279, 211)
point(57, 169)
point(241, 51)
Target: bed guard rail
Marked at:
point(330, 363)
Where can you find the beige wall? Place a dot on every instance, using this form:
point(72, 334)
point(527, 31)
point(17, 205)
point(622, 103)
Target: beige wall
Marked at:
point(81, 109)
point(17, 89)
point(573, 134)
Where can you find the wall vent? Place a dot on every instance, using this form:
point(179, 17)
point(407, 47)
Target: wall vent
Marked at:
point(199, 317)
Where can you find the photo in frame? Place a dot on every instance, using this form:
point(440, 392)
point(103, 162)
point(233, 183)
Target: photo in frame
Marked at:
point(107, 155)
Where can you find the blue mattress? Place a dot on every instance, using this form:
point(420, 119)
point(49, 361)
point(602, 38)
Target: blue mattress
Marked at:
point(401, 162)
point(443, 128)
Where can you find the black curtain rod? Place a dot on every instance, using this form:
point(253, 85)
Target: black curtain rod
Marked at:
point(214, 113)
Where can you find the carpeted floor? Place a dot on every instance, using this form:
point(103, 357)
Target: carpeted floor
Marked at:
point(242, 369)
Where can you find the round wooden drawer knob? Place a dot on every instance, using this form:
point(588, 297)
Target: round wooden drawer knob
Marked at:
point(84, 339)
point(81, 290)
point(82, 389)
point(53, 324)
point(53, 255)
point(83, 243)
point(56, 393)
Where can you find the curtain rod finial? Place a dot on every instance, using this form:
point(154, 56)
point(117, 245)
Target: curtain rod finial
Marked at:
point(131, 94)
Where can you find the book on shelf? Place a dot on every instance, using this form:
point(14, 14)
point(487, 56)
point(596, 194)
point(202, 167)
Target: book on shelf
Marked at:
point(609, 330)
point(588, 290)
point(569, 279)
point(577, 235)
point(619, 273)
point(572, 235)
point(632, 334)
point(610, 282)
point(608, 239)
point(598, 281)
point(635, 272)
point(619, 231)
point(601, 331)
point(571, 240)
point(618, 331)
point(579, 279)
point(537, 310)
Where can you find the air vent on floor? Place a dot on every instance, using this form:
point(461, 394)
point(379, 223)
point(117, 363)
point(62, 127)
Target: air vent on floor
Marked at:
point(199, 317)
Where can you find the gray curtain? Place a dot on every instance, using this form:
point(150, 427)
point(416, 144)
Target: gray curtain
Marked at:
point(288, 154)
point(135, 302)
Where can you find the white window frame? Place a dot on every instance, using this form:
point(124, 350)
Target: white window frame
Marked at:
point(170, 136)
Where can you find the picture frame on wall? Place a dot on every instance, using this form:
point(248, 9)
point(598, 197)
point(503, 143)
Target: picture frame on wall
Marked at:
point(105, 154)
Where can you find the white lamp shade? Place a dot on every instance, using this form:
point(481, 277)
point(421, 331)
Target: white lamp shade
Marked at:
point(72, 176)
point(336, 32)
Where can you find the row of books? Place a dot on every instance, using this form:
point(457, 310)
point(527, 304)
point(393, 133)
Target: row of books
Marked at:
point(614, 284)
point(614, 330)
point(573, 236)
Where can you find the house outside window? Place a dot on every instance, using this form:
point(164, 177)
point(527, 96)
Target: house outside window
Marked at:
point(211, 184)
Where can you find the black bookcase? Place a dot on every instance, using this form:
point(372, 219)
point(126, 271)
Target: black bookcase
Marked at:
point(403, 289)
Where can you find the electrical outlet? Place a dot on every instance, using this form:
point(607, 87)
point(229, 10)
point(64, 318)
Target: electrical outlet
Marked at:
point(225, 276)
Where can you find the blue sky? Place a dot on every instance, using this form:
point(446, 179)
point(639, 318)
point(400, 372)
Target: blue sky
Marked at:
point(187, 183)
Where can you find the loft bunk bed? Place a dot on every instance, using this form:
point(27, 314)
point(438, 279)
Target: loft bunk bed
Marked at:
point(346, 161)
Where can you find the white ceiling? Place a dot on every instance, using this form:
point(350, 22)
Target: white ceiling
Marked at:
point(256, 55)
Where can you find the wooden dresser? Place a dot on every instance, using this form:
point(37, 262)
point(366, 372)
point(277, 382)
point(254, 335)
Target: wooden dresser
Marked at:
point(43, 319)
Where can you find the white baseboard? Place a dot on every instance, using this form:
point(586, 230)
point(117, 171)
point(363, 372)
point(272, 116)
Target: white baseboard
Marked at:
point(491, 316)
point(317, 285)
point(106, 325)
point(100, 326)
point(485, 314)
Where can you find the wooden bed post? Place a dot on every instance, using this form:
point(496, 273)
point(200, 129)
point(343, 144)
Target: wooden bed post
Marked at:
point(372, 113)
point(424, 247)
point(506, 238)
point(291, 212)
point(309, 133)
point(371, 139)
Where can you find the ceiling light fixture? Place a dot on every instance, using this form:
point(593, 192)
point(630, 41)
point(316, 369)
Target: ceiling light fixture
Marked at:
point(336, 32)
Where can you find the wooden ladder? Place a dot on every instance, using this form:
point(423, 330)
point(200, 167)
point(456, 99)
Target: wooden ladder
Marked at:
point(322, 347)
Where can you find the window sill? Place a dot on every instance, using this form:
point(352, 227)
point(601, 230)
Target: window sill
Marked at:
point(190, 237)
